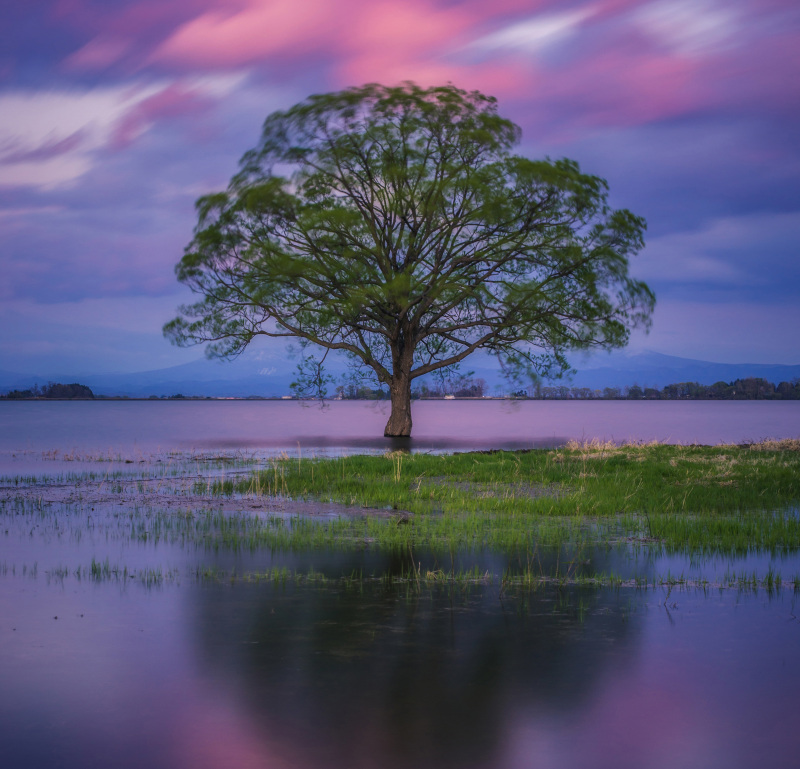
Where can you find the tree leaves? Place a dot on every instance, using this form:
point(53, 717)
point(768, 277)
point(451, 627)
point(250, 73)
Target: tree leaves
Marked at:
point(394, 224)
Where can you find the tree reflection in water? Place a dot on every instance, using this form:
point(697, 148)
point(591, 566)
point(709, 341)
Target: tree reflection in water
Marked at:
point(391, 676)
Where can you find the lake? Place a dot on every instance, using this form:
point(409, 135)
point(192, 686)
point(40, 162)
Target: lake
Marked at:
point(134, 632)
point(83, 429)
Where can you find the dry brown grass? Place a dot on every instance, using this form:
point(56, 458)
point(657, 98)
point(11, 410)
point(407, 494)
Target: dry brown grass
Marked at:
point(597, 449)
point(593, 445)
point(786, 444)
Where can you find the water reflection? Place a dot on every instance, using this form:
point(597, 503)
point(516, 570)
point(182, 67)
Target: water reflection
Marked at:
point(340, 678)
point(331, 675)
point(391, 678)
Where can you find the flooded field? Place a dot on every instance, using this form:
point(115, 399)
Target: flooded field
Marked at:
point(148, 619)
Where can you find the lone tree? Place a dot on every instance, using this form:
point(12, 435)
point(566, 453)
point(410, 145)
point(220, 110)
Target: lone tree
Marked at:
point(395, 225)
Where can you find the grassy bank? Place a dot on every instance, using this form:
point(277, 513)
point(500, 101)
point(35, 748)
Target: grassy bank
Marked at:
point(686, 498)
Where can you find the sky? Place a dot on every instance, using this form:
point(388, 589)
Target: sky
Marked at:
point(116, 115)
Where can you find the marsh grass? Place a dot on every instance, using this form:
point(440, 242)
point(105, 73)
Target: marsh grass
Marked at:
point(103, 571)
point(450, 520)
point(545, 554)
point(724, 498)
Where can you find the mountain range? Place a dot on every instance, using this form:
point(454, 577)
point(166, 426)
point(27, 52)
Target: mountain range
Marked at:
point(269, 374)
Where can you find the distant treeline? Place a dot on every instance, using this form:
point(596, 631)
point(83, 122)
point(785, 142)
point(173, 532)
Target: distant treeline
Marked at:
point(751, 388)
point(460, 387)
point(51, 390)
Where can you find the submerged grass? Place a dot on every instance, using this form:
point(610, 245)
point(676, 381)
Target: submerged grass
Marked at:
point(512, 519)
point(416, 577)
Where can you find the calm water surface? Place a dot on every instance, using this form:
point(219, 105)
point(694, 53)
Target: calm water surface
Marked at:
point(259, 675)
point(131, 429)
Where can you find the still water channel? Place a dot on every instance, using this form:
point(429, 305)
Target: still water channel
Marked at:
point(180, 663)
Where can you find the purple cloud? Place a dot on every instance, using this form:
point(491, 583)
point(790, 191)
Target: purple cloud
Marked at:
point(116, 116)
point(49, 149)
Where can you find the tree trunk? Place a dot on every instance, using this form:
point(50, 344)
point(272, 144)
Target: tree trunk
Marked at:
point(399, 424)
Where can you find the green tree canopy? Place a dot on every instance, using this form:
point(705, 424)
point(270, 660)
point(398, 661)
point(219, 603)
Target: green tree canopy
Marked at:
point(394, 224)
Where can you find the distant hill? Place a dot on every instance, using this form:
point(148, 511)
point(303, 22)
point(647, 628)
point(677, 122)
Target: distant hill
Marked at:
point(268, 373)
point(262, 373)
point(651, 369)
point(201, 377)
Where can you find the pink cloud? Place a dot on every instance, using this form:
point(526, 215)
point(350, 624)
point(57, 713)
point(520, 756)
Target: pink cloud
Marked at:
point(619, 63)
point(132, 19)
point(173, 101)
point(619, 89)
point(501, 81)
point(99, 53)
point(387, 42)
point(768, 76)
point(262, 29)
point(122, 35)
point(404, 27)
point(392, 41)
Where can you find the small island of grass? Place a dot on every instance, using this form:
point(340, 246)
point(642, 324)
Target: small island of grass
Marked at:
point(688, 499)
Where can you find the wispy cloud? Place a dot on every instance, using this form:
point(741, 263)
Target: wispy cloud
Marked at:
point(752, 253)
point(51, 137)
point(690, 27)
point(32, 123)
point(535, 33)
